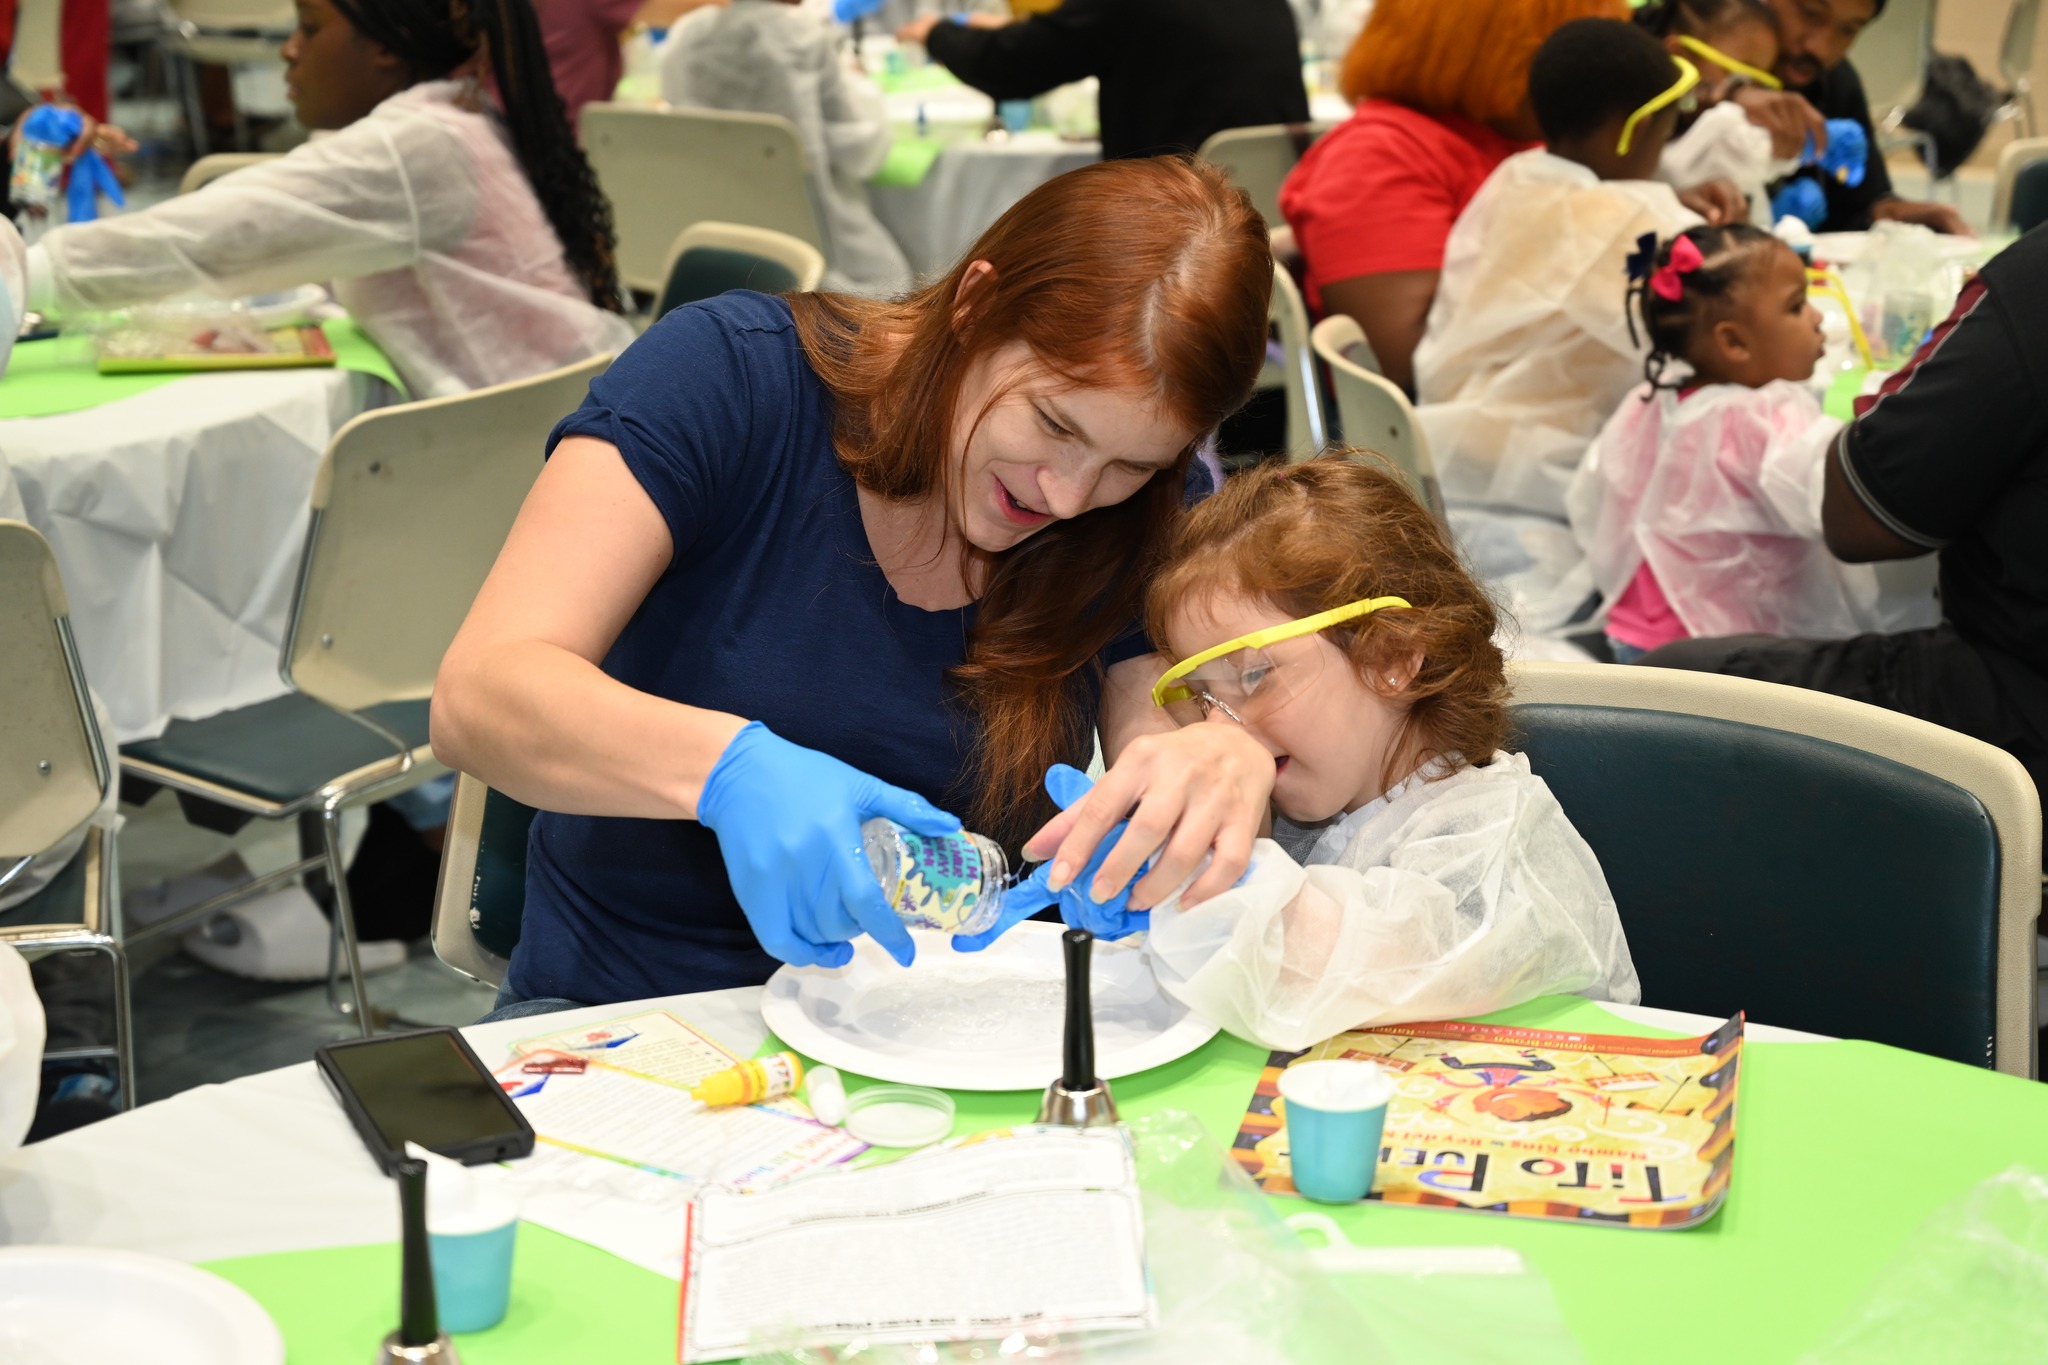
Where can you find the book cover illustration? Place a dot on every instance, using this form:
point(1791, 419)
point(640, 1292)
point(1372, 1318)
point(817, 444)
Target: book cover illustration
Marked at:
point(1578, 1127)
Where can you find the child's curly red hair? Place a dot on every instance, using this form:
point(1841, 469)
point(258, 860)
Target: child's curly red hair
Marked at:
point(1340, 528)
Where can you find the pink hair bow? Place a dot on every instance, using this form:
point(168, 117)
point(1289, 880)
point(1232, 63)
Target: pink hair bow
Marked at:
point(1665, 281)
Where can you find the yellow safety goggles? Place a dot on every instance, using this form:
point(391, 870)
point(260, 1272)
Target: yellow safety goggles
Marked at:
point(1688, 77)
point(1169, 689)
point(1829, 283)
point(1755, 75)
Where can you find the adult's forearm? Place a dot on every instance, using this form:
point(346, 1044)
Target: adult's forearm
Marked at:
point(552, 730)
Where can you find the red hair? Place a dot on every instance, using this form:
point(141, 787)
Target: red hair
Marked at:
point(1146, 274)
point(1467, 57)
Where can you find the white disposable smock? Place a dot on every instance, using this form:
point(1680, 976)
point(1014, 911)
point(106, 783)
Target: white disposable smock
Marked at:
point(418, 213)
point(1527, 347)
point(763, 57)
point(1448, 896)
point(21, 1048)
point(1719, 493)
point(13, 291)
point(1723, 144)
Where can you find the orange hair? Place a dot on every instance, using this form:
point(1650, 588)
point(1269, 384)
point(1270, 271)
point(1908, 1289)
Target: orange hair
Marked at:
point(1468, 57)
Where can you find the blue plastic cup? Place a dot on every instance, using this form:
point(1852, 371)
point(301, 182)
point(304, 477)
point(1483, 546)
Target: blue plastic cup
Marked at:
point(473, 1276)
point(1335, 1111)
point(1016, 114)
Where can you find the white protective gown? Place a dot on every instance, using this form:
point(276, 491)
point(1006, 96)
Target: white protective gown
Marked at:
point(1444, 898)
point(1723, 144)
point(1720, 494)
point(762, 57)
point(21, 1048)
point(418, 213)
point(1527, 347)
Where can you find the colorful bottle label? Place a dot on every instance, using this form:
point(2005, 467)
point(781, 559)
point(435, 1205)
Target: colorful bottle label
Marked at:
point(938, 881)
point(752, 1082)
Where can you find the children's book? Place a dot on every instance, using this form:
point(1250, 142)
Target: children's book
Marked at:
point(1577, 1127)
point(149, 350)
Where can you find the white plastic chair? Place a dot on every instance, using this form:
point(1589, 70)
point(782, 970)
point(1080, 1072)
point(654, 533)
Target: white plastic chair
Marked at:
point(1890, 57)
point(2012, 162)
point(666, 169)
point(1308, 430)
point(2016, 64)
point(222, 33)
point(1372, 412)
point(1258, 159)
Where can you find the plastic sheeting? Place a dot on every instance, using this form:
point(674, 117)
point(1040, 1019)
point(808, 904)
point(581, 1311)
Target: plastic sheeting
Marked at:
point(1723, 144)
point(1527, 348)
point(1720, 495)
point(766, 57)
point(418, 213)
point(1447, 897)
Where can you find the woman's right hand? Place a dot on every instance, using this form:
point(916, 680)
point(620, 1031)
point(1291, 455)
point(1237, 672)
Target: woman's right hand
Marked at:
point(788, 824)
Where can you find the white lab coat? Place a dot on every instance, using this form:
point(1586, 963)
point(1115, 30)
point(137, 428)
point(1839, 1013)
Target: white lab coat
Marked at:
point(1720, 493)
point(762, 57)
point(13, 293)
point(418, 213)
point(21, 1048)
point(1448, 896)
point(1723, 144)
point(1527, 346)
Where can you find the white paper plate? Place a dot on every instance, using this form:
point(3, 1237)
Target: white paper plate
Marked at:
point(94, 1306)
point(977, 1021)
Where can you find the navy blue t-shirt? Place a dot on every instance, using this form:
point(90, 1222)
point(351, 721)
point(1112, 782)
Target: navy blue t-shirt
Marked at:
point(771, 608)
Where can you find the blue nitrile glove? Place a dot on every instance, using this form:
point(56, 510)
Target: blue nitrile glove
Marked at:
point(788, 824)
point(1848, 153)
point(1112, 919)
point(1803, 199)
point(846, 11)
point(91, 177)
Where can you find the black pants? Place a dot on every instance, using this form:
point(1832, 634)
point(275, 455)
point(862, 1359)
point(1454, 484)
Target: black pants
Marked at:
point(1935, 674)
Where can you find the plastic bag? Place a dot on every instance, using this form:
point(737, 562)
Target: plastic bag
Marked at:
point(1970, 1284)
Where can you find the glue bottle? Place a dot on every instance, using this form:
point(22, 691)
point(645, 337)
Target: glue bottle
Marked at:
point(953, 883)
point(754, 1082)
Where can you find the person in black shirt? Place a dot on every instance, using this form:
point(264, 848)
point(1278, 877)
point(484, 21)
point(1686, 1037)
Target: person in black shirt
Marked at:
point(1951, 457)
point(1820, 84)
point(1172, 71)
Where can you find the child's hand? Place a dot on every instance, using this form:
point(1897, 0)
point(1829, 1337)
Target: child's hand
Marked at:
point(1112, 919)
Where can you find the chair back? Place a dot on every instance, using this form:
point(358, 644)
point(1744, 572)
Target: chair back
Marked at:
point(1307, 428)
point(53, 769)
point(707, 259)
point(1823, 864)
point(411, 505)
point(1891, 56)
point(482, 891)
point(208, 169)
point(1259, 158)
point(1372, 412)
point(2016, 45)
point(237, 16)
point(665, 169)
point(2019, 194)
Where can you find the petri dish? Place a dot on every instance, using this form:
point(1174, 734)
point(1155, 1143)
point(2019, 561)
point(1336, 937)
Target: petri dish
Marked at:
point(899, 1115)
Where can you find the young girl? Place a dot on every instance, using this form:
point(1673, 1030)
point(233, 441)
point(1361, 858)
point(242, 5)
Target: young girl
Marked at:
point(471, 244)
point(1417, 870)
point(1699, 503)
point(1732, 42)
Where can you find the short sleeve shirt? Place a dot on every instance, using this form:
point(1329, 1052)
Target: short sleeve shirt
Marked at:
point(582, 41)
point(1380, 191)
point(1953, 455)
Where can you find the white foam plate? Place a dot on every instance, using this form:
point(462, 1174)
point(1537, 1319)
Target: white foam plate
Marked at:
point(95, 1306)
point(977, 1021)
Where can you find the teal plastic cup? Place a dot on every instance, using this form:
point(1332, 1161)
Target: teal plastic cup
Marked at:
point(473, 1275)
point(1336, 1111)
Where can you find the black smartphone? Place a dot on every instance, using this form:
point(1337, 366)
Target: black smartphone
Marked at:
point(424, 1087)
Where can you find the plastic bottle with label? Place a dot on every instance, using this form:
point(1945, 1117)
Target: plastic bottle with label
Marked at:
point(953, 883)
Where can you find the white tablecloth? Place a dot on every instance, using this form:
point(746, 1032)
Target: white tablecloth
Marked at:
point(967, 189)
point(178, 517)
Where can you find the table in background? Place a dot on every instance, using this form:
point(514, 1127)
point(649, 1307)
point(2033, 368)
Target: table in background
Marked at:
point(1842, 1149)
point(176, 506)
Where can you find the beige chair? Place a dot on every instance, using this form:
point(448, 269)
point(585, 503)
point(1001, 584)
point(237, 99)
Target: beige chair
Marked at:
point(666, 169)
point(409, 509)
point(706, 259)
point(1372, 412)
point(1823, 864)
point(2019, 194)
point(54, 773)
point(2016, 64)
point(208, 169)
point(482, 893)
point(222, 33)
point(1891, 58)
point(1259, 158)
point(1307, 429)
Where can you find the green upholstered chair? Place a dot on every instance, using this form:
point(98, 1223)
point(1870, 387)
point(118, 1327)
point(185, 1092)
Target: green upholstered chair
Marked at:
point(2019, 194)
point(54, 773)
point(707, 259)
point(483, 882)
point(409, 509)
point(1822, 864)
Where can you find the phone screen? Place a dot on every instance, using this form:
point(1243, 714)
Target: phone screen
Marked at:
point(421, 1088)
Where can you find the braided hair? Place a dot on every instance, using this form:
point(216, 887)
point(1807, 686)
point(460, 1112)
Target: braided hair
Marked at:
point(1697, 18)
point(1728, 255)
point(435, 37)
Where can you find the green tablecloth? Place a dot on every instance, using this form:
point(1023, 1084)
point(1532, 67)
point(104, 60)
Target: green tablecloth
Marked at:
point(46, 378)
point(1841, 1149)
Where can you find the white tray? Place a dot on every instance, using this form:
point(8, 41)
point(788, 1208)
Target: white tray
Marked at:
point(96, 1306)
point(977, 1021)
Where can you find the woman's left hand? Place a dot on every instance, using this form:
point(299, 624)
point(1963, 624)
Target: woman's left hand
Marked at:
point(1203, 790)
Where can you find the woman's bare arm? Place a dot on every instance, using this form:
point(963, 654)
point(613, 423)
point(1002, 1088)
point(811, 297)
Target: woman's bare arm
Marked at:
point(1392, 308)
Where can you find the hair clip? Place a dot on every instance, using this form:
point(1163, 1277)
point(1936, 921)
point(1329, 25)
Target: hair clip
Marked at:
point(1667, 282)
point(1643, 259)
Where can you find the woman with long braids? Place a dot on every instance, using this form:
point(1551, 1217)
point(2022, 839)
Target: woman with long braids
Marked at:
point(465, 234)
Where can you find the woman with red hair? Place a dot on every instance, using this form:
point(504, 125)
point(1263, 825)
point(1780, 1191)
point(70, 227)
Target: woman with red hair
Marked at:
point(802, 561)
point(1442, 89)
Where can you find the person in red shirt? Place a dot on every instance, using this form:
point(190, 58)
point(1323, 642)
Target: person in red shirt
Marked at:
point(1442, 89)
point(583, 36)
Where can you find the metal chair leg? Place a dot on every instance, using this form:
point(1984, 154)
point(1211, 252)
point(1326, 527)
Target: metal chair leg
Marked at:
point(124, 1028)
point(344, 926)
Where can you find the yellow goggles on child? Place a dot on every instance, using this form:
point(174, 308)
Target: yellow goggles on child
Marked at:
point(1755, 75)
point(1170, 688)
point(1688, 77)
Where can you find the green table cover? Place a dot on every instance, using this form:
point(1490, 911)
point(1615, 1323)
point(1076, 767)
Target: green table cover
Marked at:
point(1841, 1150)
point(46, 378)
